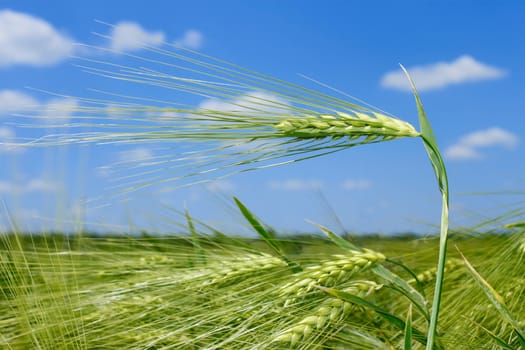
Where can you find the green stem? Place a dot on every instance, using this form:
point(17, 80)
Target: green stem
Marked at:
point(440, 274)
point(431, 146)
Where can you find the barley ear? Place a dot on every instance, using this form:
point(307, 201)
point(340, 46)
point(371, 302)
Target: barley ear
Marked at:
point(329, 273)
point(371, 127)
point(328, 315)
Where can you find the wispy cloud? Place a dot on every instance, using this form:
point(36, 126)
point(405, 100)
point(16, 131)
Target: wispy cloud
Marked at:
point(441, 74)
point(220, 186)
point(351, 184)
point(25, 39)
point(29, 40)
point(295, 185)
point(469, 146)
point(13, 101)
point(6, 133)
point(192, 39)
point(8, 140)
point(135, 155)
point(131, 36)
point(59, 110)
point(104, 171)
point(33, 185)
point(50, 111)
point(250, 102)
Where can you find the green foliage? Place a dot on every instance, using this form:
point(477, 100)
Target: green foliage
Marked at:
point(497, 300)
point(147, 292)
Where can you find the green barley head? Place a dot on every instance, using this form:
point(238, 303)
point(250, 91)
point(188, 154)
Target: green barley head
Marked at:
point(245, 120)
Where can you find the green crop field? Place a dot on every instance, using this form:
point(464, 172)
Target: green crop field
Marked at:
point(210, 291)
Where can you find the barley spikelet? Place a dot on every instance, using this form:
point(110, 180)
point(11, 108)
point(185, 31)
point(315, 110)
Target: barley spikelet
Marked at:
point(224, 270)
point(429, 276)
point(327, 316)
point(218, 272)
point(228, 270)
point(372, 127)
point(329, 273)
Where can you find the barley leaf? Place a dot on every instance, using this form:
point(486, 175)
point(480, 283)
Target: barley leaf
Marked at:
point(429, 140)
point(200, 256)
point(266, 235)
point(336, 239)
point(419, 287)
point(392, 319)
point(401, 286)
point(218, 236)
point(431, 146)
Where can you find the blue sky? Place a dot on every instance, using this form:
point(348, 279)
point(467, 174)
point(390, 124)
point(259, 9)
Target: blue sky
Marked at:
point(466, 58)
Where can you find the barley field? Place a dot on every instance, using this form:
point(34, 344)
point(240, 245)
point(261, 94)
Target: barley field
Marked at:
point(212, 291)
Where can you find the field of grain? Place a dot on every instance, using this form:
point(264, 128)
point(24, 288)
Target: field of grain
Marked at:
point(210, 291)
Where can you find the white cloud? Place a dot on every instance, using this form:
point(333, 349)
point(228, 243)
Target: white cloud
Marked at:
point(220, 186)
point(469, 146)
point(250, 102)
point(7, 140)
point(51, 111)
point(40, 185)
point(7, 133)
point(216, 105)
point(135, 155)
point(104, 172)
point(59, 110)
point(295, 185)
point(130, 36)
point(12, 101)
point(33, 185)
point(192, 39)
point(351, 185)
point(25, 39)
point(459, 151)
point(441, 74)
